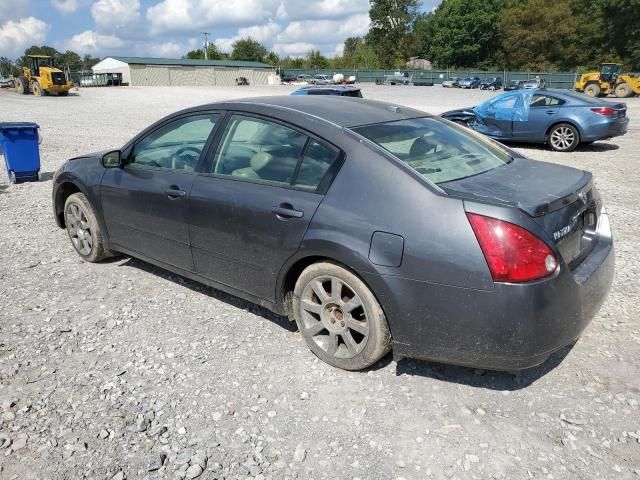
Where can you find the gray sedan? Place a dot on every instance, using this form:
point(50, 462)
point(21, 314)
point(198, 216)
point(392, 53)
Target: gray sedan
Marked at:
point(373, 226)
point(559, 118)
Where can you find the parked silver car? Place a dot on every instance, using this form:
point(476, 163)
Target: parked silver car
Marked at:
point(320, 80)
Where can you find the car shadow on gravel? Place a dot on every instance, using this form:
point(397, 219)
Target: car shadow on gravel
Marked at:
point(209, 291)
point(593, 147)
point(486, 379)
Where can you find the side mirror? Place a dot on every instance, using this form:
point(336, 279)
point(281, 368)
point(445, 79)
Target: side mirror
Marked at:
point(111, 159)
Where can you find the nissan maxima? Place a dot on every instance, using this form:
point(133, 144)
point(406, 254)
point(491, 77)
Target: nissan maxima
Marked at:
point(373, 226)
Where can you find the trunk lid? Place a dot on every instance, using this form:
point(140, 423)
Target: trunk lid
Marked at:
point(562, 200)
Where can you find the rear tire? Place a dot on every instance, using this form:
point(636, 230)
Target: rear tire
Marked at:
point(623, 90)
point(37, 89)
point(64, 93)
point(593, 90)
point(339, 317)
point(83, 229)
point(563, 138)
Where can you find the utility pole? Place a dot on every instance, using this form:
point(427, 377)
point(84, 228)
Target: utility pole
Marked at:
point(206, 44)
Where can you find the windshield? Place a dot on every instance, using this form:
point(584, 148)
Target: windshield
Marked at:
point(436, 149)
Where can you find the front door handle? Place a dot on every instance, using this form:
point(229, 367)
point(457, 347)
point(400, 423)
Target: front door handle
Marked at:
point(550, 112)
point(174, 192)
point(286, 210)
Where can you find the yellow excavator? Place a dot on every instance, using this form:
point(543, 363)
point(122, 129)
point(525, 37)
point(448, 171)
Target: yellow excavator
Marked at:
point(610, 79)
point(42, 78)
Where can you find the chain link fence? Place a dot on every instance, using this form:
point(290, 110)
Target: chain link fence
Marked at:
point(564, 80)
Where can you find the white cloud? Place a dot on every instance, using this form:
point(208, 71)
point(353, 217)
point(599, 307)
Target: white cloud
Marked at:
point(298, 49)
point(324, 31)
point(303, 10)
point(166, 50)
point(93, 43)
point(193, 15)
point(115, 13)
point(65, 6)
point(261, 33)
point(15, 36)
point(13, 9)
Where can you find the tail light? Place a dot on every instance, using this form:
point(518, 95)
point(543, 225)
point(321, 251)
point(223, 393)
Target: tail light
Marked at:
point(606, 111)
point(512, 253)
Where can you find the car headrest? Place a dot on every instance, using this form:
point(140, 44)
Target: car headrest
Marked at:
point(260, 160)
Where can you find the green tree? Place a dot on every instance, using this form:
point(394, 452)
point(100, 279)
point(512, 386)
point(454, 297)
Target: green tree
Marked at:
point(292, 62)
point(67, 59)
point(272, 58)
point(248, 49)
point(212, 53)
point(541, 35)
point(89, 61)
point(461, 33)
point(351, 45)
point(621, 21)
point(315, 59)
point(7, 68)
point(391, 24)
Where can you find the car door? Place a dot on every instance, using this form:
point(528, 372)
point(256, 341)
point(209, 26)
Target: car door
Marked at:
point(543, 112)
point(495, 118)
point(144, 203)
point(250, 211)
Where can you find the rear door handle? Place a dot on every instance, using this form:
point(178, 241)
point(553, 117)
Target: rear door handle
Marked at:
point(287, 211)
point(174, 192)
point(550, 112)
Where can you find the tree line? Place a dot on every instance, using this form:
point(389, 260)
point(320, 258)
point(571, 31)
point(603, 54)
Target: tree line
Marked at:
point(62, 60)
point(563, 35)
point(478, 34)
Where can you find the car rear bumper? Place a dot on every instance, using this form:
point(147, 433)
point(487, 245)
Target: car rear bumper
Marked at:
point(606, 129)
point(511, 327)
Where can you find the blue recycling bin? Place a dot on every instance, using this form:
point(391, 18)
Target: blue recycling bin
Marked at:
point(19, 142)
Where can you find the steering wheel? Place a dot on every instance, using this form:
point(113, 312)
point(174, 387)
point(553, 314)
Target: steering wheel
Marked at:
point(187, 155)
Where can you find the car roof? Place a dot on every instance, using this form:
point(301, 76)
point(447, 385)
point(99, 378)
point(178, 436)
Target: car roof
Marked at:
point(341, 111)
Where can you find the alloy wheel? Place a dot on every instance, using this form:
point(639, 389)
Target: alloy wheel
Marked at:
point(562, 138)
point(334, 317)
point(79, 229)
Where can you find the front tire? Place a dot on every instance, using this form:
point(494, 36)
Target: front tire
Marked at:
point(339, 317)
point(563, 138)
point(22, 85)
point(83, 229)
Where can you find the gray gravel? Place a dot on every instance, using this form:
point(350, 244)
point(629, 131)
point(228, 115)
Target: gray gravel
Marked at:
point(123, 371)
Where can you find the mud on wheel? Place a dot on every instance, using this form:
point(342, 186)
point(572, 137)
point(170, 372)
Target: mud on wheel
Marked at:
point(339, 317)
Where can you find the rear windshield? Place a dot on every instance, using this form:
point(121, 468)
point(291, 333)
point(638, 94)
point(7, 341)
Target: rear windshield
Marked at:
point(439, 151)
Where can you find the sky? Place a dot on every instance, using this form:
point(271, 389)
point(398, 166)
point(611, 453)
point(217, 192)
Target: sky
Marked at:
point(170, 28)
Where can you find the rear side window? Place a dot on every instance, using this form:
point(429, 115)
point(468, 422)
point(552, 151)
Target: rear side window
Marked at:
point(317, 160)
point(436, 150)
point(259, 149)
point(545, 101)
point(265, 151)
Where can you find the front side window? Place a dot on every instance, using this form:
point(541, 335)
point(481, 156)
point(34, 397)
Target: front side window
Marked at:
point(259, 149)
point(176, 145)
point(438, 151)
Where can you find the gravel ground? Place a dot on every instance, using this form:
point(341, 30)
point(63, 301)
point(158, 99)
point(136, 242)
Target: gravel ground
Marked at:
point(123, 371)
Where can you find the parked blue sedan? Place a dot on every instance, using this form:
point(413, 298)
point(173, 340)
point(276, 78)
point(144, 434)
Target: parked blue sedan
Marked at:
point(559, 118)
